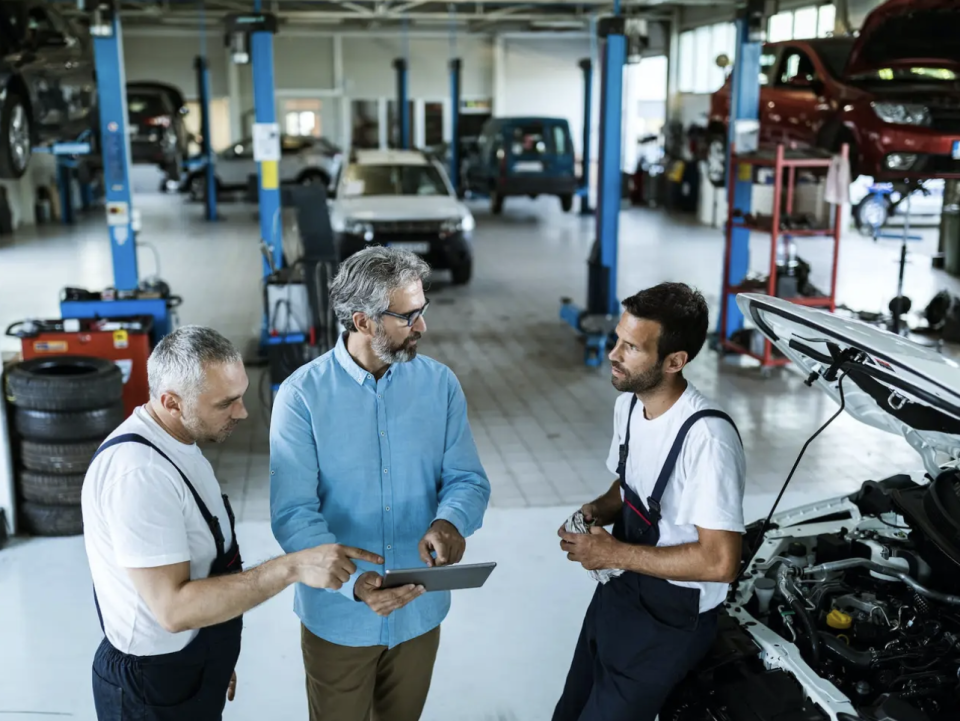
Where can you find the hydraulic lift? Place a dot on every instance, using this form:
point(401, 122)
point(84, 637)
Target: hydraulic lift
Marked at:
point(206, 146)
point(128, 297)
point(403, 106)
point(623, 39)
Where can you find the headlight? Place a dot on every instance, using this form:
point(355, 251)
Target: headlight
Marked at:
point(902, 113)
point(358, 227)
point(465, 225)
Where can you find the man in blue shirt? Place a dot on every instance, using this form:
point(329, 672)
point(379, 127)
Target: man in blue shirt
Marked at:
point(370, 446)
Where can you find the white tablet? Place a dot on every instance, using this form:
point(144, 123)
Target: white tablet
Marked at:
point(441, 578)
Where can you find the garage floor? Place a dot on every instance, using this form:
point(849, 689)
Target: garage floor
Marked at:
point(542, 422)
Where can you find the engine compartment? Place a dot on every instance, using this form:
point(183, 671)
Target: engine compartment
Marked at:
point(849, 614)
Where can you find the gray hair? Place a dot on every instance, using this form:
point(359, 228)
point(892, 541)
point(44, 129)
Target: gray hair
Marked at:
point(367, 279)
point(179, 362)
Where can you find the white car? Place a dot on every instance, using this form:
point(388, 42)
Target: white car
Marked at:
point(849, 609)
point(403, 199)
point(303, 161)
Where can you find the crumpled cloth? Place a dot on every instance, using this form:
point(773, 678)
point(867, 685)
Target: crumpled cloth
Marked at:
point(578, 524)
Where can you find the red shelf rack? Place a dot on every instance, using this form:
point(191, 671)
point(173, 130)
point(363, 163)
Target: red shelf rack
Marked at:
point(785, 164)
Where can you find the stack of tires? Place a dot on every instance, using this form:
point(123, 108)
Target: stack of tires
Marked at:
point(64, 406)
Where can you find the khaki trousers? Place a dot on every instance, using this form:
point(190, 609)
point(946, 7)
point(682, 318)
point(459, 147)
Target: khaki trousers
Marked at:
point(368, 683)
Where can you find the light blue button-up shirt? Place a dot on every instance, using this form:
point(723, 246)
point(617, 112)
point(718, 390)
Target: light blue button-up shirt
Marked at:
point(371, 464)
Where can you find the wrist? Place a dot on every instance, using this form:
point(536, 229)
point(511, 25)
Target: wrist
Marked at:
point(289, 568)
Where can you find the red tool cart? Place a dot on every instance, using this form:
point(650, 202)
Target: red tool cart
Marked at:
point(784, 164)
point(125, 341)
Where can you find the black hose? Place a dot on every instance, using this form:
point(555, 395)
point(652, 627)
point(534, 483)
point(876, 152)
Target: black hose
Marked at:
point(860, 659)
point(809, 629)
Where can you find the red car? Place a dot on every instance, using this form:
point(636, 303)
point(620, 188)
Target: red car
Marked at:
point(892, 94)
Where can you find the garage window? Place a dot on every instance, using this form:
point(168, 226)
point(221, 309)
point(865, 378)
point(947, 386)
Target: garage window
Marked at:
point(699, 50)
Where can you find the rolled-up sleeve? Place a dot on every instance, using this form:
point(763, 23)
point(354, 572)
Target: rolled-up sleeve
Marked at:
point(464, 486)
point(295, 514)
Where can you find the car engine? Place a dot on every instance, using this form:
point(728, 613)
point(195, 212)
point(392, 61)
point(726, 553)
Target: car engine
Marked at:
point(859, 620)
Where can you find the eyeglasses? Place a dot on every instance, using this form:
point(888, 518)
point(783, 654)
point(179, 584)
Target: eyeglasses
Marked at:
point(411, 317)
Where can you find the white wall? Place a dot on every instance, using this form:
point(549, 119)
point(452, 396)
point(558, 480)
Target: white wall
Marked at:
point(169, 58)
point(543, 77)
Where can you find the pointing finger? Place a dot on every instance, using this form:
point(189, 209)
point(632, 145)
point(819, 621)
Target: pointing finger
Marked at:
point(362, 555)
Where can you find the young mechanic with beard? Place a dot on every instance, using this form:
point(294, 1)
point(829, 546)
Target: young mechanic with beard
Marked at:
point(370, 444)
point(167, 574)
point(677, 514)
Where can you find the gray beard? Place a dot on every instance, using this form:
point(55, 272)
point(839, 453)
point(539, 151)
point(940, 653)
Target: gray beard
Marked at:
point(390, 354)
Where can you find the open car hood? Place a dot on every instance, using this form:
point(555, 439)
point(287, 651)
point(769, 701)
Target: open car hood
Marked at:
point(912, 33)
point(888, 382)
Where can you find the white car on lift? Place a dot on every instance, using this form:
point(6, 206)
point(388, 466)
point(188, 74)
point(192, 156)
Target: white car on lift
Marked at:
point(848, 609)
point(403, 199)
point(304, 160)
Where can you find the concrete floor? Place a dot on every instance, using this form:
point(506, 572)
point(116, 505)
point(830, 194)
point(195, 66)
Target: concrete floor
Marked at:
point(541, 419)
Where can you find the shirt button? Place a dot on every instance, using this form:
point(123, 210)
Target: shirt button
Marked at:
point(379, 396)
point(384, 470)
point(383, 433)
point(389, 547)
point(388, 508)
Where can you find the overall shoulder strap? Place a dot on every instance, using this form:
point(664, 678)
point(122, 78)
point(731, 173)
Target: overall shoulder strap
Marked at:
point(137, 438)
point(674, 454)
point(626, 437)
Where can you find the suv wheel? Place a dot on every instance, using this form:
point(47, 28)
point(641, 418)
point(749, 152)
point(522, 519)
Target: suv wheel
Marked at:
point(496, 202)
point(16, 145)
point(462, 273)
point(566, 202)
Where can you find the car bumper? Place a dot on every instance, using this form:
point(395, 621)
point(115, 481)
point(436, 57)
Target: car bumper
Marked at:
point(536, 185)
point(145, 151)
point(937, 153)
point(441, 253)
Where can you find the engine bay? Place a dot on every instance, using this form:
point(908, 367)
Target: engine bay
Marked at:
point(846, 611)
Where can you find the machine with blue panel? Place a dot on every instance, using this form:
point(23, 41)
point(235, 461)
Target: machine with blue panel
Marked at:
point(623, 40)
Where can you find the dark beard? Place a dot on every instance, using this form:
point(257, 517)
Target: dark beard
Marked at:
point(644, 382)
point(390, 354)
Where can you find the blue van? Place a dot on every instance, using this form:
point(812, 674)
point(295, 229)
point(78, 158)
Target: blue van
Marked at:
point(523, 156)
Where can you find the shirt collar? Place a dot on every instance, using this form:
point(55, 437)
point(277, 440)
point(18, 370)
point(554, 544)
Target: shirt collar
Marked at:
point(347, 362)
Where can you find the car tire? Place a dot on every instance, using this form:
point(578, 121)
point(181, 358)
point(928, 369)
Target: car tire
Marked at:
point(16, 136)
point(51, 489)
point(53, 427)
point(461, 274)
point(58, 458)
point(41, 520)
point(496, 202)
point(716, 159)
point(566, 202)
point(65, 383)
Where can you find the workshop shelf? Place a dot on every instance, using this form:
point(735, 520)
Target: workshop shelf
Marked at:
point(785, 163)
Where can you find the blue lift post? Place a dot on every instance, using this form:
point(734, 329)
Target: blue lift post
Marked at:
point(744, 106)
point(599, 318)
point(203, 90)
point(115, 145)
point(455, 67)
point(586, 65)
point(403, 110)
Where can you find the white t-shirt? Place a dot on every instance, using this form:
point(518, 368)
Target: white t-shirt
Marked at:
point(706, 487)
point(138, 513)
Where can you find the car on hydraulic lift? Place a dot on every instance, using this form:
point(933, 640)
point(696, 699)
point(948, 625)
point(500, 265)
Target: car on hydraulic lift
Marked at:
point(892, 94)
point(48, 82)
point(848, 609)
point(403, 199)
point(158, 131)
point(304, 160)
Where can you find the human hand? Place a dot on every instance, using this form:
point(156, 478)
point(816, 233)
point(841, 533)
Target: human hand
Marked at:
point(594, 551)
point(384, 601)
point(591, 513)
point(232, 688)
point(443, 538)
point(329, 565)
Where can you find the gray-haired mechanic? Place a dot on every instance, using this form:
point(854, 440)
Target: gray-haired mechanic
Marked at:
point(167, 573)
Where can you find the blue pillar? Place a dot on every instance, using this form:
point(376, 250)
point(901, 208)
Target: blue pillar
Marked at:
point(586, 65)
point(111, 88)
point(265, 112)
point(203, 91)
point(64, 183)
point(744, 105)
point(455, 66)
point(403, 109)
point(608, 205)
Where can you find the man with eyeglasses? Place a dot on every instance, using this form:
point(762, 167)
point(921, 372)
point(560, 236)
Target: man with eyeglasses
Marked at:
point(370, 446)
